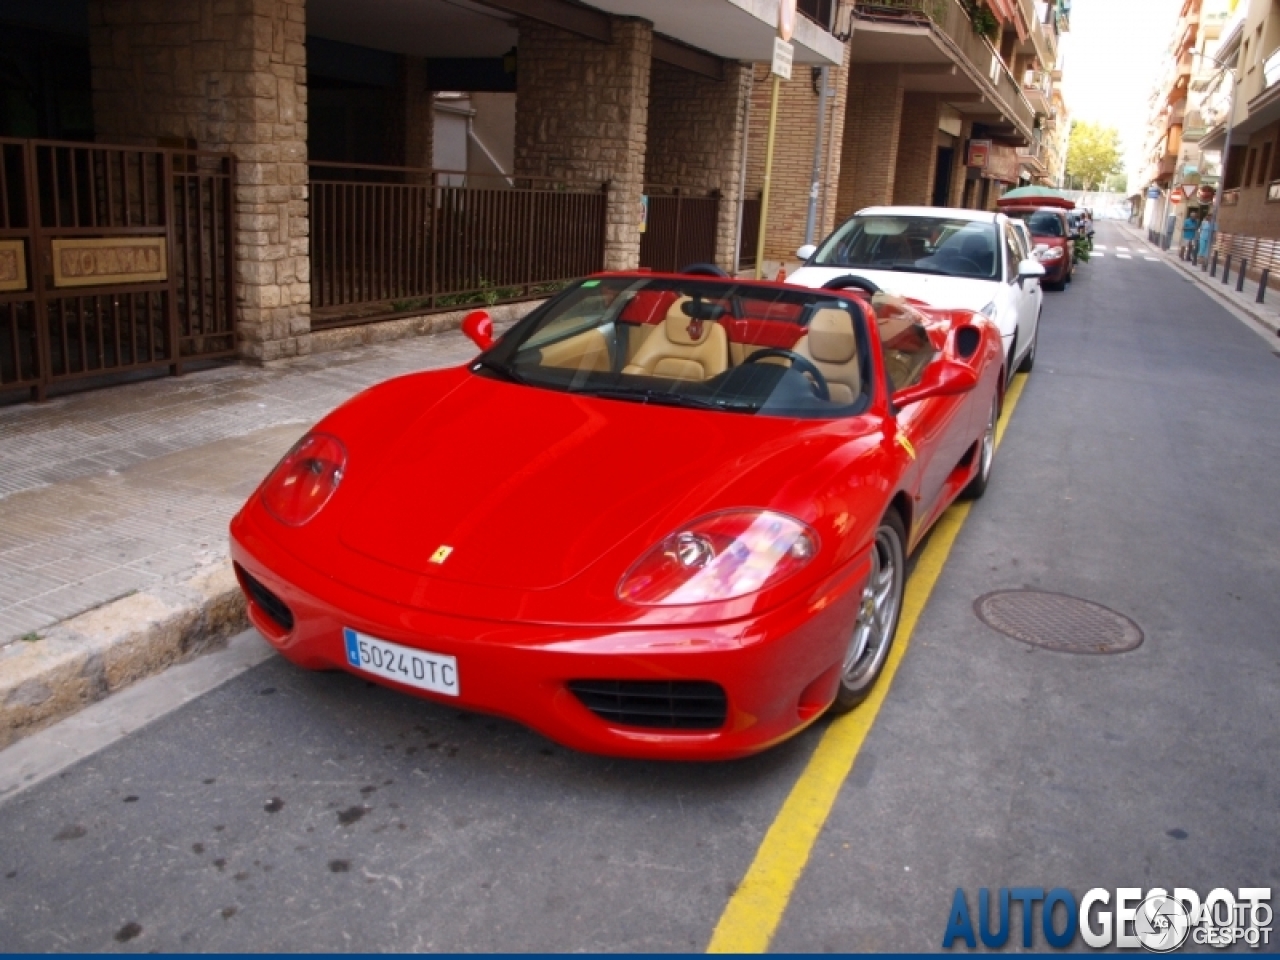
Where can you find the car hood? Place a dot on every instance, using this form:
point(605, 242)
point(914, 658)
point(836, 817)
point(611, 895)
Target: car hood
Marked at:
point(951, 293)
point(524, 488)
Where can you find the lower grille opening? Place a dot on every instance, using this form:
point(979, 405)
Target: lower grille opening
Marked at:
point(662, 704)
point(267, 601)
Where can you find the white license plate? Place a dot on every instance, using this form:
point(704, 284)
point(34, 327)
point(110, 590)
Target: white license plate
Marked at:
point(417, 668)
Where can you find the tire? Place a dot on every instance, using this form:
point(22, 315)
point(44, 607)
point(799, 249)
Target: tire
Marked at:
point(1029, 360)
point(873, 630)
point(986, 455)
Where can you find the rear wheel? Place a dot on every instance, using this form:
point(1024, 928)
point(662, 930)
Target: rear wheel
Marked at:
point(986, 455)
point(878, 613)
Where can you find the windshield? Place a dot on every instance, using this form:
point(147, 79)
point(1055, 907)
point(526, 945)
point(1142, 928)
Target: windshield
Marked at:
point(720, 345)
point(1043, 223)
point(960, 248)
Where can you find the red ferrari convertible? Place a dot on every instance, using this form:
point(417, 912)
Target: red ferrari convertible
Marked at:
point(663, 516)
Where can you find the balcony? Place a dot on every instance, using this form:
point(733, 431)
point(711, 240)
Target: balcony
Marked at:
point(935, 42)
point(1037, 87)
point(1033, 158)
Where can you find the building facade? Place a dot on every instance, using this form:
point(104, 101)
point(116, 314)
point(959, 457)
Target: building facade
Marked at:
point(193, 179)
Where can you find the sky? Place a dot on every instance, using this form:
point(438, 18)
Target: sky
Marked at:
point(1112, 56)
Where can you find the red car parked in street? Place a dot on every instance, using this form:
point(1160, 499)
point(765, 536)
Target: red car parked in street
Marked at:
point(1051, 234)
point(662, 516)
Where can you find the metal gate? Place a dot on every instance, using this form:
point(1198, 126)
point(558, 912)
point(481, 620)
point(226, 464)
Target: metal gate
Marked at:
point(112, 259)
point(681, 228)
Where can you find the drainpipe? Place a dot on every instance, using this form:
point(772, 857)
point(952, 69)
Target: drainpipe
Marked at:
point(816, 180)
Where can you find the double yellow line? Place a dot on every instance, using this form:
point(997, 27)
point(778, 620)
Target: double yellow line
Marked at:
point(753, 913)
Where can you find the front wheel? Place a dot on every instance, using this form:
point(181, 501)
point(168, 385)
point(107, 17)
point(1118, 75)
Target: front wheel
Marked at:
point(1029, 359)
point(986, 455)
point(877, 620)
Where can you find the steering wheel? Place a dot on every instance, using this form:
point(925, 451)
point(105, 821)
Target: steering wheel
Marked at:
point(852, 280)
point(801, 363)
point(704, 270)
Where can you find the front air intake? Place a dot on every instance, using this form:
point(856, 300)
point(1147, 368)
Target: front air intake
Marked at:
point(661, 704)
point(267, 602)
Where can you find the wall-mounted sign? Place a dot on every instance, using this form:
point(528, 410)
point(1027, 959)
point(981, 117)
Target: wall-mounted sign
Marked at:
point(104, 260)
point(979, 153)
point(644, 212)
point(13, 265)
point(1153, 193)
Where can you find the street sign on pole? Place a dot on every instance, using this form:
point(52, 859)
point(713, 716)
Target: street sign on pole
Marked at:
point(783, 55)
point(1153, 193)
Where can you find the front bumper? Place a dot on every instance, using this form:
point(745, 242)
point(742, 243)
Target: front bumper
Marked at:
point(779, 670)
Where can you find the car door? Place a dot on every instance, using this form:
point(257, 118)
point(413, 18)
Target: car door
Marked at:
point(1023, 296)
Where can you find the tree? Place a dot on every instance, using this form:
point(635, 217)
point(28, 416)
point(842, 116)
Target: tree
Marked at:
point(1093, 153)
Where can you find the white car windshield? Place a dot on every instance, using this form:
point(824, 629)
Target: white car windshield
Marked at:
point(911, 244)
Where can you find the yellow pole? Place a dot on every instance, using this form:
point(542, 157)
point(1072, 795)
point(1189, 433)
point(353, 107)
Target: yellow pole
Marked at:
point(768, 175)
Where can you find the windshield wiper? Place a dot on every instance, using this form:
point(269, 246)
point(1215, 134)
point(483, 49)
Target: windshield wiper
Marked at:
point(506, 373)
point(663, 398)
point(932, 270)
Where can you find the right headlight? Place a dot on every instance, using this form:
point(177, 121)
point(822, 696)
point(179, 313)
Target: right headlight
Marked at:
point(1048, 253)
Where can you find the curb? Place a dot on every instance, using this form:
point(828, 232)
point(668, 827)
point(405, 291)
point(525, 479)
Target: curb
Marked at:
point(83, 659)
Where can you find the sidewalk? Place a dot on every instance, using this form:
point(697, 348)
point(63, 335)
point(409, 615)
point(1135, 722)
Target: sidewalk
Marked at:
point(1267, 314)
point(114, 506)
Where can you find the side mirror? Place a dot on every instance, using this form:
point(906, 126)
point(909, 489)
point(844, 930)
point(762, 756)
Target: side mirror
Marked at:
point(807, 251)
point(942, 378)
point(1030, 267)
point(479, 327)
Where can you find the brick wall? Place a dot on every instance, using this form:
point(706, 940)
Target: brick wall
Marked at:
point(582, 116)
point(917, 150)
point(873, 120)
point(695, 139)
point(228, 75)
point(1252, 216)
point(419, 122)
point(793, 154)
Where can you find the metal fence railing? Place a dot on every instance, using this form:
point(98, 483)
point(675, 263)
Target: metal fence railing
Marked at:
point(681, 228)
point(396, 241)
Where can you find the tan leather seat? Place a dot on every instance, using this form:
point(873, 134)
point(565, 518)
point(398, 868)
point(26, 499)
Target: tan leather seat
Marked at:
point(832, 346)
point(682, 348)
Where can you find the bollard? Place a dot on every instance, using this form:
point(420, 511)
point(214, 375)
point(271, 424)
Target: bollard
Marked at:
point(1226, 269)
point(1244, 265)
point(1213, 265)
point(1262, 284)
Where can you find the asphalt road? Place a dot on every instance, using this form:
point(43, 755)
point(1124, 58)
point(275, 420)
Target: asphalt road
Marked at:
point(294, 811)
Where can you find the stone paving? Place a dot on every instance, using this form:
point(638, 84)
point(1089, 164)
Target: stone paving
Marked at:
point(108, 492)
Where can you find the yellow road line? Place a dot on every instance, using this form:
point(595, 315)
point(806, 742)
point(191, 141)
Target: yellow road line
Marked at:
point(753, 913)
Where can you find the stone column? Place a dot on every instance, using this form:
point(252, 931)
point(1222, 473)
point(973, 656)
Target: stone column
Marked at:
point(224, 75)
point(872, 123)
point(582, 111)
point(695, 140)
point(917, 150)
point(419, 122)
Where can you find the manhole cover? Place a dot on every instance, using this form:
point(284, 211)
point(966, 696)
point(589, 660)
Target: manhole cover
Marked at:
point(1057, 622)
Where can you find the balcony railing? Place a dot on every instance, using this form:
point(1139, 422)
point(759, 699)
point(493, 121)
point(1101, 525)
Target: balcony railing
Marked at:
point(954, 27)
point(1271, 69)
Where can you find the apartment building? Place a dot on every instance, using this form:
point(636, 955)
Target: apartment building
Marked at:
point(937, 102)
point(189, 180)
point(1182, 165)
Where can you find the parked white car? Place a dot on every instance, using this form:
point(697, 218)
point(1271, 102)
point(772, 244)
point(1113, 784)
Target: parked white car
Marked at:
point(950, 258)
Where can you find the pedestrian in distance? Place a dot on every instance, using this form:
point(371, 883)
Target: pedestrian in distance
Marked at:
point(1204, 238)
point(1189, 226)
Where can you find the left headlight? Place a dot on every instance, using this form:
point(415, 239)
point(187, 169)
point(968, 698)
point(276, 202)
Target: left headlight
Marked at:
point(302, 483)
point(720, 557)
